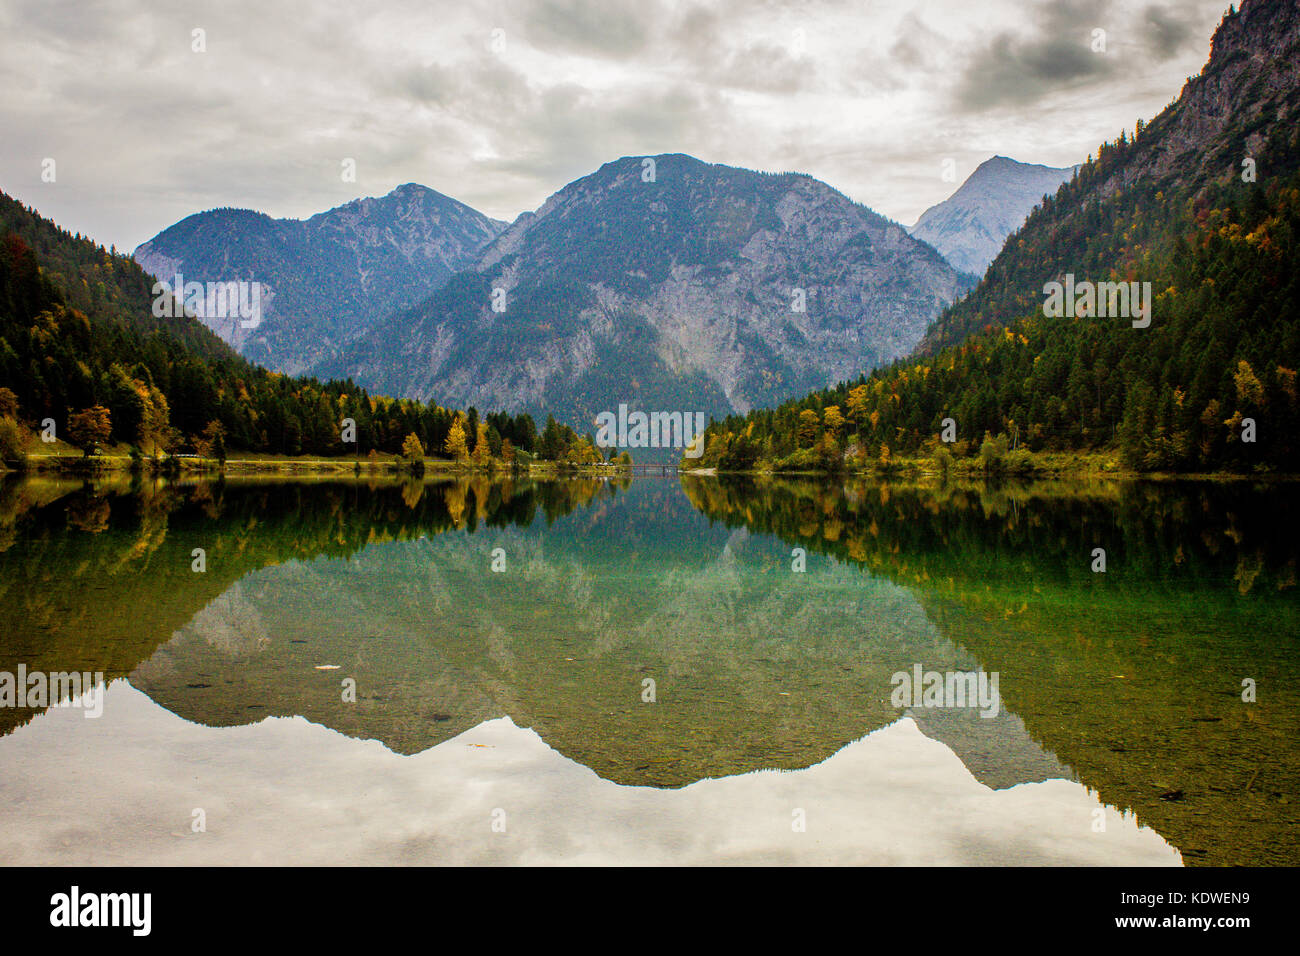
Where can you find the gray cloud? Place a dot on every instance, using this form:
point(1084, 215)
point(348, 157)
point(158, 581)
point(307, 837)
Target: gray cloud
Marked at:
point(1018, 67)
point(1058, 50)
point(612, 28)
point(1170, 30)
point(867, 96)
point(916, 46)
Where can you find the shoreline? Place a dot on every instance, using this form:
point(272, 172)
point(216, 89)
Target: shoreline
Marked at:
point(1057, 466)
point(76, 466)
point(1052, 466)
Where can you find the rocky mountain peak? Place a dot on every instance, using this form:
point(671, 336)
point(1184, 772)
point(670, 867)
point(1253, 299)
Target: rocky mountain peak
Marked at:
point(670, 281)
point(970, 226)
point(327, 278)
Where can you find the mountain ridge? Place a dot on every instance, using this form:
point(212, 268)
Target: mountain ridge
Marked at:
point(325, 278)
point(970, 226)
point(669, 280)
point(1199, 140)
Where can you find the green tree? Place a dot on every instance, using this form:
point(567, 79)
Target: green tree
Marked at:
point(553, 446)
point(943, 461)
point(993, 453)
point(215, 435)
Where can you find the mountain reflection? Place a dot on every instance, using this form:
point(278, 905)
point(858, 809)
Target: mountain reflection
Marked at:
point(608, 593)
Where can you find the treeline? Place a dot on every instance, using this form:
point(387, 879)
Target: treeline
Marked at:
point(81, 349)
point(1166, 537)
point(1209, 386)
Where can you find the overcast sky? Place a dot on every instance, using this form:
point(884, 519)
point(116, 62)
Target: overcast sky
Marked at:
point(500, 103)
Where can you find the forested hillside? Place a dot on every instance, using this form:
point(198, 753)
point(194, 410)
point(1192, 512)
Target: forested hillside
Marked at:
point(1204, 204)
point(77, 332)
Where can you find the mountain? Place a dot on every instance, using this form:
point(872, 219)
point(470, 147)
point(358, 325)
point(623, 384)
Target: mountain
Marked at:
point(327, 278)
point(1196, 217)
point(1242, 107)
point(78, 330)
point(970, 226)
point(697, 287)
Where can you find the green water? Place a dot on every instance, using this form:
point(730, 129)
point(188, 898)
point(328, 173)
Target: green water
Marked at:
point(658, 633)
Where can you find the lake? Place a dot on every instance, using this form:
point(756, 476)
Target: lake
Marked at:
point(652, 670)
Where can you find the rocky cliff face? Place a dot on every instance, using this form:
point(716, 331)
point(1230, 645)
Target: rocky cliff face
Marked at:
point(326, 279)
point(699, 287)
point(1223, 115)
point(970, 226)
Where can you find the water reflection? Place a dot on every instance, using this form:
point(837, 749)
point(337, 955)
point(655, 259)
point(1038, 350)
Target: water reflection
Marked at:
point(1123, 681)
point(284, 791)
point(1133, 677)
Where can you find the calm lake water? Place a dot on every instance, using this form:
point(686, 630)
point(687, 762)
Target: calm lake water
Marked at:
point(637, 672)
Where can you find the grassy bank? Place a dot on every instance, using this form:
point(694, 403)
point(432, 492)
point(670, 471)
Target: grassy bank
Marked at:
point(71, 462)
point(1019, 464)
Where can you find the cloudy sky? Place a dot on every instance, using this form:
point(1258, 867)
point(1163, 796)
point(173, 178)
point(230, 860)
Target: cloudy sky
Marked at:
point(499, 103)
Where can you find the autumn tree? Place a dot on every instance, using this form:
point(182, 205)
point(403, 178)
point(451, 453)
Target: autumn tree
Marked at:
point(13, 440)
point(583, 452)
point(1250, 391)
point(833, 420)
point(856, 404)
point(412, 450)
point(455, 446)
point(482, 447)
point(215, 435)
point(807, 431)
point(154, 430)
point(8, 404)
point(90, 427)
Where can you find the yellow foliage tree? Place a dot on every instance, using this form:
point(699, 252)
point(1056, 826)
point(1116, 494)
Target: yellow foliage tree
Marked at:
point(456, 446)
point(856, 404)
point(482, 448)
point(833, 420)
point(155, 422)
point(412, 449)
point(1249, 388)
point(807, 429)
